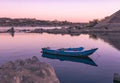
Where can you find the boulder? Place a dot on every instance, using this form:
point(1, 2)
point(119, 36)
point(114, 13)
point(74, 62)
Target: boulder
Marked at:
point(27, 71)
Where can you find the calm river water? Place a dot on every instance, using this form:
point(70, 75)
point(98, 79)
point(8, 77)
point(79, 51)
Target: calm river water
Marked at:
point(106, 60)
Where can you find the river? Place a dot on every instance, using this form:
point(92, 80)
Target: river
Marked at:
point(106, 59)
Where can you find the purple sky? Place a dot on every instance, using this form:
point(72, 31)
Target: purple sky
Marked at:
point(71, 10)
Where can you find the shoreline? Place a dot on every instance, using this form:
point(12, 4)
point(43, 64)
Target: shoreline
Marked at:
point(63, 30)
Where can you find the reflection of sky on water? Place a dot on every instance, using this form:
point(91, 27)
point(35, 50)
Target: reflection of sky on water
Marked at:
point(30, 44)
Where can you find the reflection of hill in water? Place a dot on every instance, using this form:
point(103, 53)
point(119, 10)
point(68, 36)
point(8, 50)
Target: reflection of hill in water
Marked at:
point(87, 60)
point(111, 38)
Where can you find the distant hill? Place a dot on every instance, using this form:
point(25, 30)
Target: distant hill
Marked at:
point(33, 22)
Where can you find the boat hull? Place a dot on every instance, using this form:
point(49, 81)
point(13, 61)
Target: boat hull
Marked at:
point(70, 53)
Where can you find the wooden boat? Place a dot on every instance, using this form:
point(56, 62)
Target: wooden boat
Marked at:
point(83, 60)
point(69, 53)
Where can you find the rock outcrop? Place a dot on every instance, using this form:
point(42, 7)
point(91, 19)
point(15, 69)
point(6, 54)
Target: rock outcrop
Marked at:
point(27, 71)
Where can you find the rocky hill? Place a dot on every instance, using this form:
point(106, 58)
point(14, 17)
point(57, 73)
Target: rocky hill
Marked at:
point(110, 21)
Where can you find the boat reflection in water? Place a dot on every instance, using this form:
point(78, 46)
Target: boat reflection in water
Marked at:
point(85, 60)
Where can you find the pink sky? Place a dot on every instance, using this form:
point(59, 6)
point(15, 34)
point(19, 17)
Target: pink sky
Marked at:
point(70, 10)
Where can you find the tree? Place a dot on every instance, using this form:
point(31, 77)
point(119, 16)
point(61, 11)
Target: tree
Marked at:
point(93, 23)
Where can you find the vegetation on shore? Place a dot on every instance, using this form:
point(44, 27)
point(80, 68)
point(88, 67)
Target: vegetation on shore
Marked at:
point(22, 22)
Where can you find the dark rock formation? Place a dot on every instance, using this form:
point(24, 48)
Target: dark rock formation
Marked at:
point(27, 71)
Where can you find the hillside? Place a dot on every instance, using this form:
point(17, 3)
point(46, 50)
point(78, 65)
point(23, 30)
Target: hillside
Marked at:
point(110, 21)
